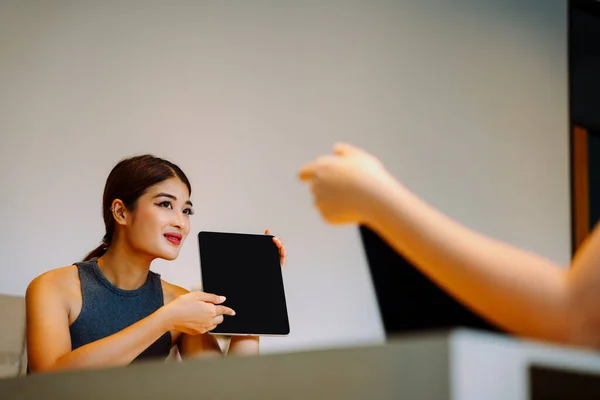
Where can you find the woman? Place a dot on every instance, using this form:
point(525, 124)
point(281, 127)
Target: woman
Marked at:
point(110, 309)
point(522, 292)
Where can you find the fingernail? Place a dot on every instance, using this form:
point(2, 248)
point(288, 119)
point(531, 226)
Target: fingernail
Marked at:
point(233, 313)
point(222, 298)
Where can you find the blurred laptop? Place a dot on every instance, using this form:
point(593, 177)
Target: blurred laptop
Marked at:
point(409, 301)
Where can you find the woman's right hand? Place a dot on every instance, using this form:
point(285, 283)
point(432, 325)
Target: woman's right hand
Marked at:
point(196, 312)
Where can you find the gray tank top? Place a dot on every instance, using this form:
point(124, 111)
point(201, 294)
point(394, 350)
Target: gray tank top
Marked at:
point(107, 309)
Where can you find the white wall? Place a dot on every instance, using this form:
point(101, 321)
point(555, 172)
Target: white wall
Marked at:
point(465, 101)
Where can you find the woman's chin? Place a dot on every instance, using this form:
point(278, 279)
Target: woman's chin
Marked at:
point(168, 255)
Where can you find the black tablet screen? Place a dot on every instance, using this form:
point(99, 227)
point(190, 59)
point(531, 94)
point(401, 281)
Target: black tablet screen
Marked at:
point(246, 269)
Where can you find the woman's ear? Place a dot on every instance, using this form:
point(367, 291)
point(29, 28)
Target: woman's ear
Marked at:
point(119, 212)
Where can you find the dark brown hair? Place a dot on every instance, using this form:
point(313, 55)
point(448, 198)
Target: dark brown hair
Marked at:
point(129, 180)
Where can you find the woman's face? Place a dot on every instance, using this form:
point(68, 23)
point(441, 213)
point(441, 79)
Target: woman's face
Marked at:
point(160, 221)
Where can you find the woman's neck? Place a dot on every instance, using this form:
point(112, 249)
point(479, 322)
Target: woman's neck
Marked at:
point(124, 268)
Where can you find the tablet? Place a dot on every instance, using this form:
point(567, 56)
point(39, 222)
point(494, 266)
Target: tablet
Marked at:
point(246, 269)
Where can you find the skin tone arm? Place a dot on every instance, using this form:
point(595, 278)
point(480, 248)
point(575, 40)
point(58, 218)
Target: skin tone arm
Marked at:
point(207, 346)
point(192, 345)
point(522, 292)
point(48, 337)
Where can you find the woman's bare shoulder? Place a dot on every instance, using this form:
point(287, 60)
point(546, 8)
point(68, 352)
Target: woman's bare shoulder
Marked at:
point(59, 283)
point(59, 278)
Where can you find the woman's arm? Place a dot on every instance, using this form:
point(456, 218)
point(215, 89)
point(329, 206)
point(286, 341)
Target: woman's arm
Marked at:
point(244, 346)
point(520, 291)
point(206, 345)
point(199, 346)
point(49, 339)
point(192, 346)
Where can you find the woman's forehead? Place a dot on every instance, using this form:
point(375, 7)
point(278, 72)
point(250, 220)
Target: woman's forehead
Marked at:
point(172, 186)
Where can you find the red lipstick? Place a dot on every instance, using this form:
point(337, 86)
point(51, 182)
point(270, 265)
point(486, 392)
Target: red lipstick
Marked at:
point(174, 238)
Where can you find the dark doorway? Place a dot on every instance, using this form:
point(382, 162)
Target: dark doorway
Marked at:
point(584, 91)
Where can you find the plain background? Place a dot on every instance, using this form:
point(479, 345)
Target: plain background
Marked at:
point(465, 101)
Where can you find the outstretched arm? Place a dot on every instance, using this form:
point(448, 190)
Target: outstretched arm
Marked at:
point(520, 291)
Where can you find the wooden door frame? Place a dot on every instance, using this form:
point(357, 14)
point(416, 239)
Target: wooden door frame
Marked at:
point(580, 186)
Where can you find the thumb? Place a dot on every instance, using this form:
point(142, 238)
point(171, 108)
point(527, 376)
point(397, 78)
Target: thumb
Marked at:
point(307, 172)
point(342, 149)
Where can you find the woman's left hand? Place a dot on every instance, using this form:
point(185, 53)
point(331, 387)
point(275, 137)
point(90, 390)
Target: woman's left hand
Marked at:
point(281, 248)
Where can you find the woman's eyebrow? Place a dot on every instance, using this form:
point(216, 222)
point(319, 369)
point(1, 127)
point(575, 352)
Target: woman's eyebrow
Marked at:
point(172, 197)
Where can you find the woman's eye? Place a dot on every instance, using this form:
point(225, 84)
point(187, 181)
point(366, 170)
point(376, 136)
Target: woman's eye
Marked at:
point(166, 204)
point(188, 211)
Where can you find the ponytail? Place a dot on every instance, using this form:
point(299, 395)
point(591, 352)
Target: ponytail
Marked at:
point(100, 250)
point(97, 252)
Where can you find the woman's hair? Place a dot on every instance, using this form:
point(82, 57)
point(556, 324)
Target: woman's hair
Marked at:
point(129, 180)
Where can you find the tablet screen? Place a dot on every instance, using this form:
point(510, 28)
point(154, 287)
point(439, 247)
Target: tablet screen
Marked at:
point(246, 269)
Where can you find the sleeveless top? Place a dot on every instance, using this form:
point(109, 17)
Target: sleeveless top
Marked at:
point(107, 309)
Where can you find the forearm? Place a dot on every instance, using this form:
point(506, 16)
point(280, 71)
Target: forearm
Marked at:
point(519, 291)
point(200, 346)
point(118, 349)
point(209, 346)
point(244, 346)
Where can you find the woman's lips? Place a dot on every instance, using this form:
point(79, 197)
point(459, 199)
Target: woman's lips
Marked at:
point(173, 238)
